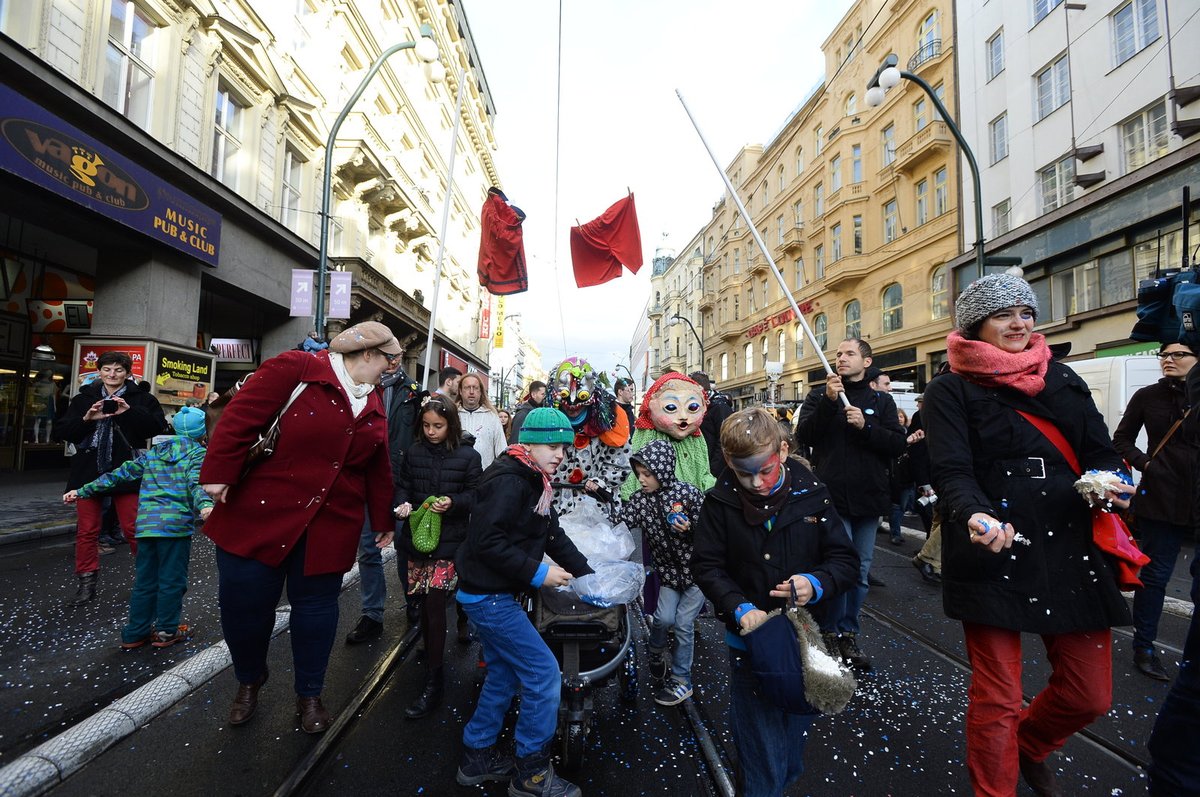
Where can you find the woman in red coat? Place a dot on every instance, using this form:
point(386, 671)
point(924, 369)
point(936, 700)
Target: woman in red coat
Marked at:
point(297, 516)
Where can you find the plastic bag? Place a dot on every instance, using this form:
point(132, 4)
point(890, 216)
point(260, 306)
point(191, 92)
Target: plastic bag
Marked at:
point(612, 584)
point(595, 536)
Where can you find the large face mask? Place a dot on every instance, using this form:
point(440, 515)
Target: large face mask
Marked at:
point(574, 385)
point(677, 408)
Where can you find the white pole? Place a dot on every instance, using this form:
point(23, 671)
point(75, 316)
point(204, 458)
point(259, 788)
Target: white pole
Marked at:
point(437, 274)
point(762, 246)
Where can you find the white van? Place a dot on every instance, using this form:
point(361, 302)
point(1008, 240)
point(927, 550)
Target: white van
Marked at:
point(1113, 380)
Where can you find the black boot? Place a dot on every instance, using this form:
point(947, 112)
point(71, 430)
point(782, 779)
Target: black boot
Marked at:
point(86, 590)
point(536, 778)
point(430, 698)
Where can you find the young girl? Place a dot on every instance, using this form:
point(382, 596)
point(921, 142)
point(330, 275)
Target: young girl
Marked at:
point(436, 466)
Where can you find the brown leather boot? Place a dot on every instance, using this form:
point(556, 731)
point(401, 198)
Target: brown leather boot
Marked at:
point(245, 701)
point(313, 716)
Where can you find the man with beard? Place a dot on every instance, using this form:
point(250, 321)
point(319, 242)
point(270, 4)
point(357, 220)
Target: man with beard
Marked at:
point(480, 419)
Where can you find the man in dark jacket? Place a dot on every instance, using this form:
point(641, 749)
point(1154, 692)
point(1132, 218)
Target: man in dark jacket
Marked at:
point(718, 410)
point(1168, 468)
point(852, 449)
point(533, 399)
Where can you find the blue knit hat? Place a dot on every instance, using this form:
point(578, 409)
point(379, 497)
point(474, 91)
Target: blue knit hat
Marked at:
point(546, 425)
point(189, 422)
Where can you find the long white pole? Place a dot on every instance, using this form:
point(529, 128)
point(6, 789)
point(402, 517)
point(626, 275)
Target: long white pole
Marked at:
point(437, 274)
point(762, 246)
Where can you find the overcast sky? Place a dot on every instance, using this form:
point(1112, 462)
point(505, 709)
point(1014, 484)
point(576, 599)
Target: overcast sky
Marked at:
point(742, 67)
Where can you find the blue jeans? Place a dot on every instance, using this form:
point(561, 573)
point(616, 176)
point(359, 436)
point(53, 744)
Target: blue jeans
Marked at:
point(907, 501)
point(841, 612)
point(1161, 542)
point(370, 575)
point(516, 657)
point(1174, 763)
point(157, 597)
point(769, 742)
point(248, 593)
point(678, 609)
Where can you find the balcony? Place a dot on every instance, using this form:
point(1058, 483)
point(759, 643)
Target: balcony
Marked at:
point(707, 300)
point(758, 264)
point(793, 240)
point(847, 272)
point(738, 233)
point(656, 310)
point(928, 51)
point(933, 140)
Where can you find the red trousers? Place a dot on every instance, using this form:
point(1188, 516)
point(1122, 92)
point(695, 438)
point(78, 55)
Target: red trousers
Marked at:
point(89, 516)
point(1079, 691)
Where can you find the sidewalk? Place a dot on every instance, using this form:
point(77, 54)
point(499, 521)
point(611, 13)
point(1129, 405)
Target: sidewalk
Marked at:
point(33, 506)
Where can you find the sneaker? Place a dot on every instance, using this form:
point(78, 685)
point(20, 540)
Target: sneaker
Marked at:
point(673, 693)
point(484, 764)
point(165, 639)
point(1149, 665)
point(103, 549)
point(137, 643)
point(851, 653)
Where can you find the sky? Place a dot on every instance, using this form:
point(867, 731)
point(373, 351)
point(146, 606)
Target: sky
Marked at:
point(742, 67)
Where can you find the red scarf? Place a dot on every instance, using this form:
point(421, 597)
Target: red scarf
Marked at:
point(990, 366)
point(521, 454)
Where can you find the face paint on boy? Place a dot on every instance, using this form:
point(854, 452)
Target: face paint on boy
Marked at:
point(760, 473)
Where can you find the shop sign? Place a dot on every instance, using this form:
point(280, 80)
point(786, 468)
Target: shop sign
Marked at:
point(89, 354)
point(485, 320)
point(233, 350)
point(340, 283)
point(43, 149)
point(181, 375)
point(778, 320)
point(498, 340)
point(453, 361)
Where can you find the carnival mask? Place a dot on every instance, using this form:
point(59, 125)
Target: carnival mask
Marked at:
point(677, 408)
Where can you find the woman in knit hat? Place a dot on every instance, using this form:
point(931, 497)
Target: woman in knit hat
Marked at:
point(1017, 553)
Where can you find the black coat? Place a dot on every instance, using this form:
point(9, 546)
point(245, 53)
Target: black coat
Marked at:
point(736, 563)
point(854, 463)
point(434, 470)
point(1059, 582)
point(507, 538)
point(1172, 474)
point(401, 398)
point(144, 419)
point(718, 410)
point(518, 418)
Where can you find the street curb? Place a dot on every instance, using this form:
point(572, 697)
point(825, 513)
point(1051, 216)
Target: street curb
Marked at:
point(23, 534)
point(55, 760)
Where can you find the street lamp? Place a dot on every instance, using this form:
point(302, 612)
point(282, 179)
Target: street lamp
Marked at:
point(674, 321)
point(427, 50)
point(888, 76)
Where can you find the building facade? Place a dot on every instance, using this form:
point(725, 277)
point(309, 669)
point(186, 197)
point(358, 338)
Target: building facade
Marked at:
point(162, 172)
point(676, 286)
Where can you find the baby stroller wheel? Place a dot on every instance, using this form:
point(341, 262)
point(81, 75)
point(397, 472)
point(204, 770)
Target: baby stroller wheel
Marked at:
point(573, 739)
point(627, 676)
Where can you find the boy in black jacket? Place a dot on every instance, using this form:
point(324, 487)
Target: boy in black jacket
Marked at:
point(512, 526)
point(767, 522)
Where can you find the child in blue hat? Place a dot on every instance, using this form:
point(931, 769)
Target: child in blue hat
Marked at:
point(169, 502)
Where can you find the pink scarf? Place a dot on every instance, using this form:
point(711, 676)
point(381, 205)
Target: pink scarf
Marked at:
point(520, 454)
point(987, 365)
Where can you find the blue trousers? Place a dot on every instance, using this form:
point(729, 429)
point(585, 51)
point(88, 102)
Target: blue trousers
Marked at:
point(677, 610)
point(248, 594)
point(770, 743)
point(516, 657)
point(370, 574)
point(1161, 542)
point(841, 611)
point(1174, 753)
point(158, 587)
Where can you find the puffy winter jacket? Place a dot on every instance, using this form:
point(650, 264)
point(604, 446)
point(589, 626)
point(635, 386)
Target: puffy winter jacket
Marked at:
point(434, 470)
point(672, 550)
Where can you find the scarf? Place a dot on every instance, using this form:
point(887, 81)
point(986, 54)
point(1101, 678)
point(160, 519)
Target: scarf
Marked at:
point(761, 509)
point(356, 392)
point(518, 452)
point(102, 436)
point(989, 366)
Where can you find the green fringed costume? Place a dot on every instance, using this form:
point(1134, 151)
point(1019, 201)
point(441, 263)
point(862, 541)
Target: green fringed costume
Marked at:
point(691, 460)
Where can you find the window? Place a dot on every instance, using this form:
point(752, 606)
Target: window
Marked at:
point(763, 288)
point(799, 341)
point(893, 308)
point(799, 273)
point(851, 105)
point(1075, 290)
point(751, 308)
point(998, 135)
point(821, 331)
point(737, 261)
point(939, 297)
point(1144, 137)
point(941, 194)
point(782, 346)
point(1001, 218)
point(1043, 7)
point(737, 313)
point(749, 357)
point(724, 366)
point(818, 199)
point(798, 211)
point(920, 114)
point(922, 202)
point(766, 352)
point(835, 245)
point(799, 161)
point(293, 180)
point(858, 233)
point(766, 192)
point(856, 163)
point(1134, 25)
point(129, 62)
point(1053, 88)
point(782, 179)
point(889, 144)
point(853, 319)
point(819, 259)
point(227, 138)
point(928, 34)
point(939, 91)
point(819, 136)
point(890, 224)
point(1056, 183)
point(835, 174)
point(995, 54)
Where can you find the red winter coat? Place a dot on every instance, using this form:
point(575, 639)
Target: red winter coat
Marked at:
point(326, 467)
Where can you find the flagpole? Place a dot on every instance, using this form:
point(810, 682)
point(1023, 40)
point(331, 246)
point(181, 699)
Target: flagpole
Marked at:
point(437, 273)
point(762, 247)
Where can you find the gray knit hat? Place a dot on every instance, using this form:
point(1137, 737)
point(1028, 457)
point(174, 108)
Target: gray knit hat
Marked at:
point(991, 294)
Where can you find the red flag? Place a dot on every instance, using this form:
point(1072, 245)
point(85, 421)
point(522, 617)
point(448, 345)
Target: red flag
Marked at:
point(599, 247)
point(501, 246)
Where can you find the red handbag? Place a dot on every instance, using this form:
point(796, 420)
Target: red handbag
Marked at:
point(1109, 531)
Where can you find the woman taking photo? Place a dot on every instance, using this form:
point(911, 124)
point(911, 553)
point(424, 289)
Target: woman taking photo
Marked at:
point(297, 515)
point(1017, 549)
point(107, 419)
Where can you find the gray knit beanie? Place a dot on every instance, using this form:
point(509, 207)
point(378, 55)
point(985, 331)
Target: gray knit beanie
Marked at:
point(991, 294)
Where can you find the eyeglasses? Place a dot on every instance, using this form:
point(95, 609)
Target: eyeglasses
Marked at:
point(392, 359)
point(1174, 355)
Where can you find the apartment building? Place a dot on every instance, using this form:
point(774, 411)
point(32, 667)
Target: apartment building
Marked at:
point(676, 287)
